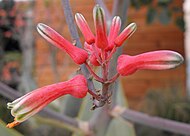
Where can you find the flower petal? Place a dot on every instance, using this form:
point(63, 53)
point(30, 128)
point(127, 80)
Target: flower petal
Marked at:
point(78, 55)
point(100, 27)
point(156, 60)
point(85, 29)
point(126, 33)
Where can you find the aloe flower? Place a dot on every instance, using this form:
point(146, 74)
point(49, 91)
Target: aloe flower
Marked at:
point(125, 34)
point(78, 55)
point(155, 60)
point(98, 51)
point(100, 27)
point(114, 31)
point(31, 103)
point(85, 29)
point(102, 40)
point(106, 43)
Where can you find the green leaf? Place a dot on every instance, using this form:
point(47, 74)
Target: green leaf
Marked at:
point(120, 127)
point(151, 14)
point(125, 128)
point(71, 106)
point(6, 131)
point(85, 113)
point(121, 99)
point(165, 16)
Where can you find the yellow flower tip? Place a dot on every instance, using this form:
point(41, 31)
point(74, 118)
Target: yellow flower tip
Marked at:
point(12, 124)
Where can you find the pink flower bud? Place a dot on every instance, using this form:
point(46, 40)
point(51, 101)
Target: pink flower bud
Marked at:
point(155, 60)
point(93, 60)
point(31, 103)
point(126, 33)
point(78, 55)
point(100, 27)
point(85, 29)
point(92, 56)
point(114, 30)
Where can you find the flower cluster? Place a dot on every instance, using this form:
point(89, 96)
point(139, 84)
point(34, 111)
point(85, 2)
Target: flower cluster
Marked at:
point(98, 50)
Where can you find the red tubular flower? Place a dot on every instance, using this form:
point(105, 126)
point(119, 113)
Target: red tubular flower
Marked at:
point(31, 103)
point(78, 55)
point(156, 60)
point(126, 33)
point(100, 27)
point(114, 30)
point(85, 29)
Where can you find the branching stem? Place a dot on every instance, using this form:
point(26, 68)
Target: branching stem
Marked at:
point(97, 78)
point(113, 79)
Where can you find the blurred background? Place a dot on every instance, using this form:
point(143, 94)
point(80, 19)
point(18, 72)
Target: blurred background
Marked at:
point(27, 61)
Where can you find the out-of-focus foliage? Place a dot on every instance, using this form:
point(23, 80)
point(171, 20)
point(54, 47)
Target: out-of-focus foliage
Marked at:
point(164, 11)
point(171, 104)
point(11, 22)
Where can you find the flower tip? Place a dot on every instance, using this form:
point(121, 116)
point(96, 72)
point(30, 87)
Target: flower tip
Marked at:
point(133, 26)
point(78, 16)
point(41, 29)
point(125, 34)
point(40, 26)
point(12, 124)
point(84, 28)
point(100, 27)
point(179, 59)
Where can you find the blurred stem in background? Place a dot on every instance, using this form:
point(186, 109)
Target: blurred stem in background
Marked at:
point(27, 45)
point(186, 7)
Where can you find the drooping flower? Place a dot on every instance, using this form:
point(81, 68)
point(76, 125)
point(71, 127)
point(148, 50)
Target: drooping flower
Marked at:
point(100, 27)
point(78, 55)
point(31, 103)
point(155, 60)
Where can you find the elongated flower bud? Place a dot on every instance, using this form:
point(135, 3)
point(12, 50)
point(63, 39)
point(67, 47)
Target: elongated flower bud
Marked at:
point(156, 60)
point(84, 28)
point(31, 103)
point(100, 27)
point(78, 55)
point(114, 30)
point(126, 33)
